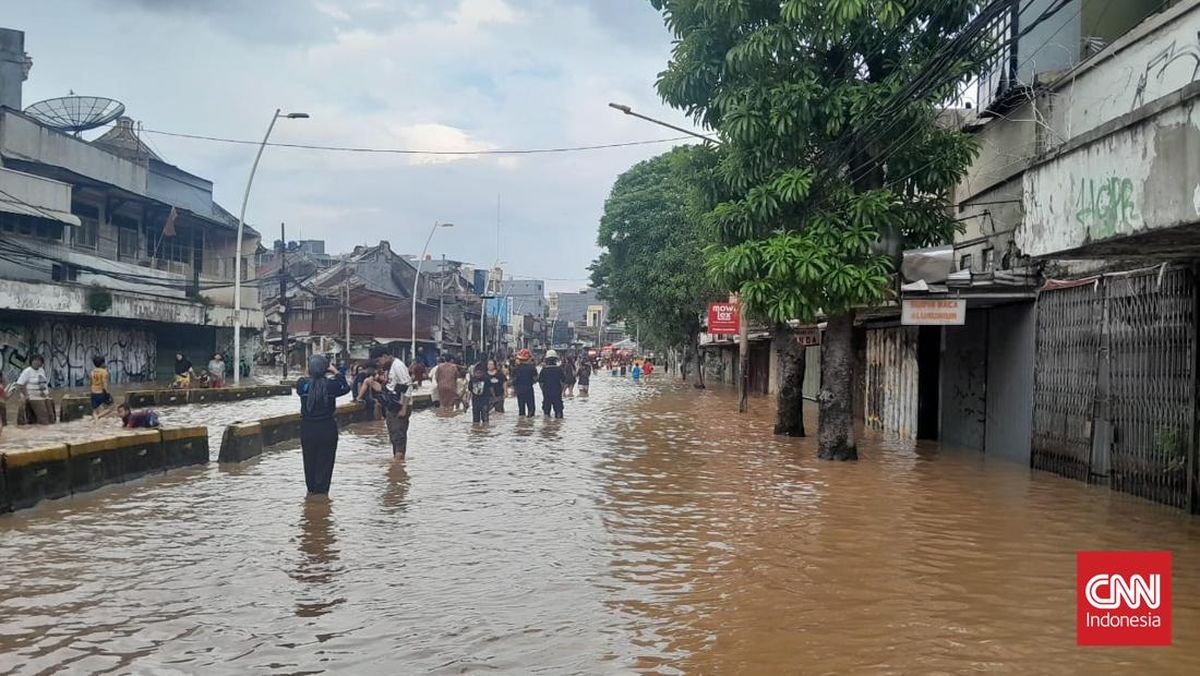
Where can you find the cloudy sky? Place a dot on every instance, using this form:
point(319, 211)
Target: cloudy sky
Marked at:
point(418, 74)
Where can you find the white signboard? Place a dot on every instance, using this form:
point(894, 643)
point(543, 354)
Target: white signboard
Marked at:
point(934, 312)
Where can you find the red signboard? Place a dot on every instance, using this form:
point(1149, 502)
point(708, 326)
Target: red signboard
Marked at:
point(723, 318)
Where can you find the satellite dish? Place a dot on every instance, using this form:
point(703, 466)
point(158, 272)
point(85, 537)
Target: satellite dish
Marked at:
point(76, 113)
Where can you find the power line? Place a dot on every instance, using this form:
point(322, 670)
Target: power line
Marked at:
point(406, 151)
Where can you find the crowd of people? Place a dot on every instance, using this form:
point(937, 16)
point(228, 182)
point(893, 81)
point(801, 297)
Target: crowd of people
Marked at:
point(35, 403)
point(385, 385)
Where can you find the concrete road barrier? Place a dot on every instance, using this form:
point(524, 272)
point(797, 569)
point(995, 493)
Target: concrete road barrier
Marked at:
point(184, 447)
point(280, 428)
point(241, 442)
point(30, 476)
point(94, 464)
point(141, 398)
point(141, 454)
point(74, 407)
point(33, 475)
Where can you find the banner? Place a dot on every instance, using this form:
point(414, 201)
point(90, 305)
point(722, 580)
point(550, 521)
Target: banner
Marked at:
point(929, 312)
point(723, 318)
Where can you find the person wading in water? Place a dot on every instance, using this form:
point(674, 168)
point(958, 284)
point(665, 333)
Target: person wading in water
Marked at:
point(445, 380)
point(481, 394)
point(497, 381)
point(393, 396)
point(584, 375)
point(551, 379)
point(523, 379)
point(318, 423)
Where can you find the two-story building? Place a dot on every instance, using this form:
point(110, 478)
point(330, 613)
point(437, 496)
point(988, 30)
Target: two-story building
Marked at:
point(1082, 215)
point(108, 250)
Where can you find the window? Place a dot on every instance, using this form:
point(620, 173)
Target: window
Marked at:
point(988, 254)
point(88, 231)
point(64, 272)
point(127, 236)
point(964, 263)
point(30, 226)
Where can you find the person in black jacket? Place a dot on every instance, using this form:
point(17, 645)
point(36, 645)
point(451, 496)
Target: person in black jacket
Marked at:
point(481, 394)
point(318, 423)
point(552, 380)
point(523, 378)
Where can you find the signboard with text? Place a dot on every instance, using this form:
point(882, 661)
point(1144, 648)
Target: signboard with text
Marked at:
point(723, 318)
point(933, 312)
point(808, 337)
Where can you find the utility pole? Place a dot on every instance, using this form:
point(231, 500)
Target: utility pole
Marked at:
point(441, 306)
point(283, 300)
point(346, 290)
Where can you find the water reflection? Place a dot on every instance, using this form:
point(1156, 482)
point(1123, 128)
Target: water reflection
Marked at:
point(318, 565)
point(653, 529)
point(395, 494)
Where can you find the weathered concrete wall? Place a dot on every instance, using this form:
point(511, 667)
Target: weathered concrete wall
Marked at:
point(1010, 366)
point(1154, 59)
point(1139, 179)
point(24, 139)
point(68, 345)
point(72, 299)
point(964, 382)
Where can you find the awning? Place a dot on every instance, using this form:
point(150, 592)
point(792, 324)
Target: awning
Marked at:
point(30, 195)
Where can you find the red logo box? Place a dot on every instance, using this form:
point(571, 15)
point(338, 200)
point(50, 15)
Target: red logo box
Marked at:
point(1123, 598)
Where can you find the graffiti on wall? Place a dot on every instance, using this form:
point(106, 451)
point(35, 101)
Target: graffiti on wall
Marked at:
point(69, 346)
point(1103, 204)
point(1186, 61)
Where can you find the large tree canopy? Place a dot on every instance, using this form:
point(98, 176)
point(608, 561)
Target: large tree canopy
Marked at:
point(832, 155)
point(651, 269)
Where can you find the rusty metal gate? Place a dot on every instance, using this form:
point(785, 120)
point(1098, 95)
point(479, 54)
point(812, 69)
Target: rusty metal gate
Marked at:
point(1115, 388)
point(892, 381)
point(1151, 334)
point(1064, 391)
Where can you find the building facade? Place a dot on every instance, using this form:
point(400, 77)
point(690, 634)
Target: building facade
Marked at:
point(108, 250)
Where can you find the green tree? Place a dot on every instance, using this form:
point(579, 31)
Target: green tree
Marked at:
point(651, 269)
point(832, 156)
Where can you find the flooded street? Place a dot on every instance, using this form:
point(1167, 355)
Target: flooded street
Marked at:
point(653, 529)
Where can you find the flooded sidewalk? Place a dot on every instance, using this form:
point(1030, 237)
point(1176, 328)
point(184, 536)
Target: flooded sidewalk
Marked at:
point(653, 529)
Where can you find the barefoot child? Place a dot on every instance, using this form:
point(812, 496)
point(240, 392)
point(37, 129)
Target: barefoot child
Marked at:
point(102, 401)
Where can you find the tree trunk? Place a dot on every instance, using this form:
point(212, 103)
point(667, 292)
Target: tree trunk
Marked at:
point(743, 359)
point(836, 432)
point(699, 363)
point(789, 402)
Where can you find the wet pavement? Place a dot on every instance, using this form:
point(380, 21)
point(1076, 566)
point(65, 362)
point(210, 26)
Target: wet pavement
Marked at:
point(651, 530)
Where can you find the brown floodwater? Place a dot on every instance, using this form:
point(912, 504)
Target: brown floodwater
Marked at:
point(651, 530)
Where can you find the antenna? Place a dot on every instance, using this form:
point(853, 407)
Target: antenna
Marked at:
point(497, 228)
point(75, 114)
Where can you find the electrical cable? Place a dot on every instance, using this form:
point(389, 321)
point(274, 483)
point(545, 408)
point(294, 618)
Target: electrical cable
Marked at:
point(405, 151)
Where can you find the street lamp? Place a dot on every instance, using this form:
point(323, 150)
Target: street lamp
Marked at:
point(237, 261)
point(629, 111)
point(417, 283)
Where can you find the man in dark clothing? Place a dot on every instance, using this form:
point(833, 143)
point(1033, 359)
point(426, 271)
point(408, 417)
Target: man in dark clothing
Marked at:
point(551, 379)
point(523, 378)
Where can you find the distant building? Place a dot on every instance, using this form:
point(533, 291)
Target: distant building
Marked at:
point(528, 296)
point(573, 307)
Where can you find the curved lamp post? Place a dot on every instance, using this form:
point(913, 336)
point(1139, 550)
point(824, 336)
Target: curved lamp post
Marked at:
point(417, 284)
point(237, 261)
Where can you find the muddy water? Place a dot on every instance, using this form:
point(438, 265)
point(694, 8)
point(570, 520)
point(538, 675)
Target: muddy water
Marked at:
point(651, 530)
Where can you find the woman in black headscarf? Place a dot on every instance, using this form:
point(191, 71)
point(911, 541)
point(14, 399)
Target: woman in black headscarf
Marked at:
point(318, 422)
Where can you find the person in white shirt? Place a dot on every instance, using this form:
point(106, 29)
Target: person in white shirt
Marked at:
point(395, 411)
point(35, 388)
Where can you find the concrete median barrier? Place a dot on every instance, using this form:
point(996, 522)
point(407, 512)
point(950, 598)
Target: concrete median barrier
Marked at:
point(35, 474)
point(141, 398)
point(241, 442)
point(74, 407)
point(280, 428)
point(185, 447)
point(94, 464)
point(352, 413)
point(141, 454)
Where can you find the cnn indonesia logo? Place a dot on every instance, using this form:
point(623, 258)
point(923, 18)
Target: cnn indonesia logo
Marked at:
point(1123, 598)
